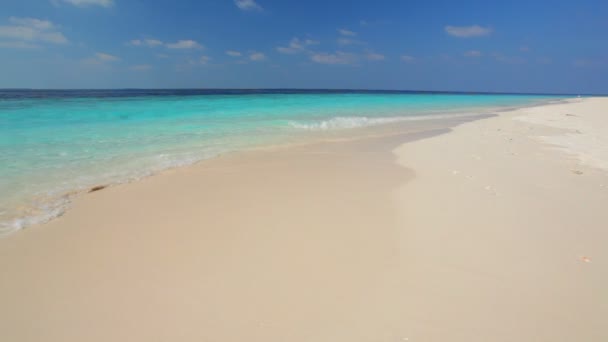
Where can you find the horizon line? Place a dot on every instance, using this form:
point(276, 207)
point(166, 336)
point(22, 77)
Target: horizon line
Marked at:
point(313, 89)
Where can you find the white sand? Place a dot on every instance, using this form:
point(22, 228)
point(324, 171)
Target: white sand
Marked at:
point(584, 136)
point(486, 233)
point(509, 236)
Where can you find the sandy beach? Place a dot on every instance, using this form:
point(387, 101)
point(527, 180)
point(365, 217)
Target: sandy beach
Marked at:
point(491, 229)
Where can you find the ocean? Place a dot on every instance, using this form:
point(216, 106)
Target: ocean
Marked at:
point(55, 144)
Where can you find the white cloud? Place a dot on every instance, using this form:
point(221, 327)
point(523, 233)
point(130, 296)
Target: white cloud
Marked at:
point(508, 59)
point(204, 59)
point(184, 44)
point(32, 22)
point(472, 53)
point(590, 63)
point(141, 67)
point(369, 23)
point(161, 55)
point(446, 57)
point(468, 31)
point(287, 50)
point(101, 58)
point(297, 45)
point(145, 42)
point(257, 56)
point(85, 3)
point(346, 32)
point(248, 5)
point(153, 42)
point(23, 31)
point(372, 56)
point(348, 41)
point(190, 63)
point(407, 59)
point(233, 53)
point(339, 57)
point(54, 37)
point(106, 57)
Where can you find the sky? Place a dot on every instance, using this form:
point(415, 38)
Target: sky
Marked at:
point(534, 46)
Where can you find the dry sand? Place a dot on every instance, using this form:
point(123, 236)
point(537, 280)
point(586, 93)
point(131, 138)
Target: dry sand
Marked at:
point(486, 233)
point(508, 235)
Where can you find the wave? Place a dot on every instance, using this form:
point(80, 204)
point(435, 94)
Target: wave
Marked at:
point(348, 122)
point(39, 214)
point(54, 203)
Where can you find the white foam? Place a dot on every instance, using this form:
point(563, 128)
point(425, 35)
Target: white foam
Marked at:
point(350, 122)
point(40, 214)
point(54, 203)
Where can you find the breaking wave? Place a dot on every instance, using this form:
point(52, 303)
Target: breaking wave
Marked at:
point(347, 122)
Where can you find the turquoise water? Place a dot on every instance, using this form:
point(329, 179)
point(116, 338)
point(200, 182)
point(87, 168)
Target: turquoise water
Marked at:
point(55, 143)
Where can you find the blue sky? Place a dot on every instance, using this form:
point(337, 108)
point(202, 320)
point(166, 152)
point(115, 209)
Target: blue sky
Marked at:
point(509, 46)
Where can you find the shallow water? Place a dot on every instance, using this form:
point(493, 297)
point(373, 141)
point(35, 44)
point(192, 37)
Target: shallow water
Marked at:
point(54, 143)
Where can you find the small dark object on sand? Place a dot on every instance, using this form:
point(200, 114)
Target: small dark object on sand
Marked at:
point(98, 187)
point(577, 172)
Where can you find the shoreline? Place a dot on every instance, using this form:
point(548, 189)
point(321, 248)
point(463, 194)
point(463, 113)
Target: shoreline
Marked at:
point(55, 206)
point(61, 204)
point(481, 233)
